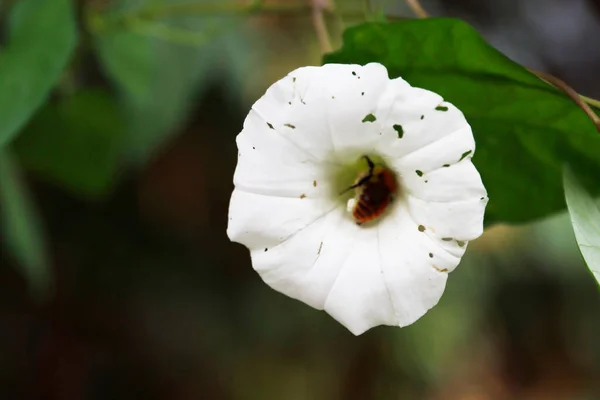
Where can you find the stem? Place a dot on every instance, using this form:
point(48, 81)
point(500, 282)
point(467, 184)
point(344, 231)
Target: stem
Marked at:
point(569, 91)
point(169, 33)
point(320, 26)
point(157, 11)
point(417, 9)
point(590, 101)
point(98, 21)
point(367, 7)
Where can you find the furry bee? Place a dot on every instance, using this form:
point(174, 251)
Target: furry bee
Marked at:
point(375, 190)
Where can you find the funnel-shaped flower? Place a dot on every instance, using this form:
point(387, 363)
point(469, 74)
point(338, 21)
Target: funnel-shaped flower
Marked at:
point(304, 142)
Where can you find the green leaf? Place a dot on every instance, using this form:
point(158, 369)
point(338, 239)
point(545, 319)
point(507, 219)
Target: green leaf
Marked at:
point(156, 75)
point(76, 143)
point(180, 74)
point(41, 40)
point(524, 128)
point(156, 80)
point(21, 231)
point(585, 216)
point(128, 59)
point(161, 64)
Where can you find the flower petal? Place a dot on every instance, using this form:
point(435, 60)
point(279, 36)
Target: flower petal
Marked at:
point(306, 265)
point(336, 110)
point(260, 222)
point(286, 108)
point(359, 299)
point(362, 98)
point(418, 118)
point(458, 182)
point(270, 164)
point(392, 277)
point(442, 153)
point(414, 265)
point(458, 220)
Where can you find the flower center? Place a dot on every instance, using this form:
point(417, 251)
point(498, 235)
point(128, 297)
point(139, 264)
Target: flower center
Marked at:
point(371, 191)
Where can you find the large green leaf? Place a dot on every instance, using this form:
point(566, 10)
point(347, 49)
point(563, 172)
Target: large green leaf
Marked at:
point(21, 231)
point(524, 128)
point(75, 143)
point(585, 216)
point(42, 37)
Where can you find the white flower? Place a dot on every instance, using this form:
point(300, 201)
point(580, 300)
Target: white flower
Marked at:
point(303, 142)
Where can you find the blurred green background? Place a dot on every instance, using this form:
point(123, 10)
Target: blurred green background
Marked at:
point(127, 171)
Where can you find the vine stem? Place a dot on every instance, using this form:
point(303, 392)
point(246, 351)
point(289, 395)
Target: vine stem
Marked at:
point(581, 101)
point(417, 9)
point(590, 101)
point(569, 91)
point(318, 19)
point(156, 11)
point(140, 18)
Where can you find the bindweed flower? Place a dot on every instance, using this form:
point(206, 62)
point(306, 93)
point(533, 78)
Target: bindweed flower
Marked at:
point(310, 138)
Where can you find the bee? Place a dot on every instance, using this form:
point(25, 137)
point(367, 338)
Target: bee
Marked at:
point(375, 190)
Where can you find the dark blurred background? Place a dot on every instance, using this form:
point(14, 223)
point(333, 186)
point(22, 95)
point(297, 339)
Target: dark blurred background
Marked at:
point(150, 300)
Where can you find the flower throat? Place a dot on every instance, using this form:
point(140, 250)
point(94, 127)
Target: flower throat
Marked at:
point(374, 189)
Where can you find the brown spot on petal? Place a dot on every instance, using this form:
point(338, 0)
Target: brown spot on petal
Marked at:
point(440, 269)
